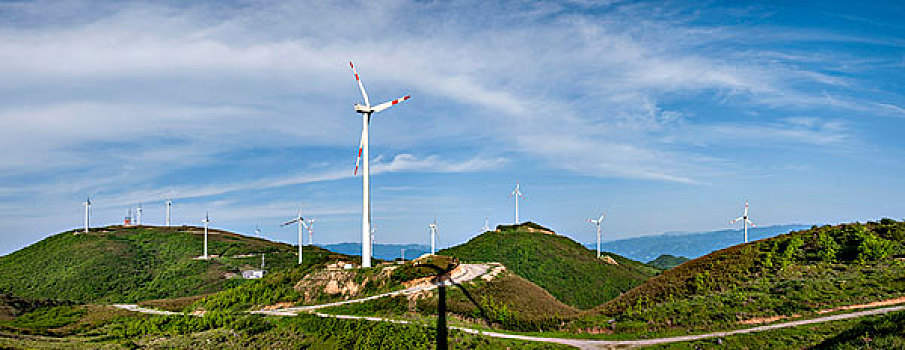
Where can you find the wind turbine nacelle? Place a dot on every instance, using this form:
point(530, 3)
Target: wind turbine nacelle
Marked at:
point(362, 109)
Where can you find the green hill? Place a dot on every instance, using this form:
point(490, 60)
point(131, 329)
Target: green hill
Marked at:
point(667, 261)
point(563, 267)
point(119, 264)
point(792, 275)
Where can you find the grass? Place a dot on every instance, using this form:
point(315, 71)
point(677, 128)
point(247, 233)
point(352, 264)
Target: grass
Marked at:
point(798, 273)
point(870, 332)
point(95, 327)
point(563, 267)
point(117, 264)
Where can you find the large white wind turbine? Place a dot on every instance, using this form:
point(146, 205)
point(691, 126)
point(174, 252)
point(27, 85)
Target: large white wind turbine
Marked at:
point(597, 222)
point(87, 205)
point(515, 194)
point(169, 203)
point(433, 227)
point(206, 221)
point(301, 221)
point(744, 220)
point(366, 110)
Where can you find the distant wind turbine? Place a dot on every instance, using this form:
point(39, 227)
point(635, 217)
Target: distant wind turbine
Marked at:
point(486, 224)
point(257, 231)
point(206, 221)
point(516, 194)
point(597, 222)
point(87, 205)
point(138, 215)
point(301, 221)
point(744, 220)
point(169, 204)
point(366, 110)
point(309, 225)
point(433, 227)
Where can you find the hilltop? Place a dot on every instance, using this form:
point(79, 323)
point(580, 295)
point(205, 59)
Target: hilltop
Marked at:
point(563, 267)
point(127, 264)
point(667, 261)
point(817, 270)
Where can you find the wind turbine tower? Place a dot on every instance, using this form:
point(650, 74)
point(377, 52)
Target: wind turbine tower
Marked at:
point(486, 224)
point(138, 215)
point(433, 227)
point(206, 221)
point(87, 205)
point(301, 221)
point(597, 222)
point(366, 110)
point(257, 231)
point(745, 221)
point(169, 204)
point(516, 194)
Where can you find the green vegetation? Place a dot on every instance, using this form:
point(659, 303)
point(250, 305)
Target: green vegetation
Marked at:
point(563, 267)
point(870, 332)
point(79, 327)
point(666, 261)
point(118, 264)
point(799, 273)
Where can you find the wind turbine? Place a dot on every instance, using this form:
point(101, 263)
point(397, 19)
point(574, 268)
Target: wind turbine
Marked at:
point(366, 110)
point(433, 227)
point(169, 203)
point(597, 222)
point(301, 221)
point(138, 215)
point(515, 194)
point(87, 205)
point(257, 231)
point(207, 220)
point(486, 224)
point(744, 220)
point(309, 225)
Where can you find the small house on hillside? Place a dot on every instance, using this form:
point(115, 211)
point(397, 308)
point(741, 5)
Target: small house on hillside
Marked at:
point(253, 274)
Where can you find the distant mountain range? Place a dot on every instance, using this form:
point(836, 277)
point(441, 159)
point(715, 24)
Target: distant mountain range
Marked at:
point(689, 244)
point(381, 251)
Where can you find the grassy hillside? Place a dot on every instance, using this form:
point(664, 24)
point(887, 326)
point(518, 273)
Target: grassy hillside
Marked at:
point(563, 267)
point(507, 301)
point(796, 274)
point(667, 261)
point(117, 264)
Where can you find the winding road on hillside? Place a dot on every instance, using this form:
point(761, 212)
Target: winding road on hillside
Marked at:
point(466, 272)
point(471, 271)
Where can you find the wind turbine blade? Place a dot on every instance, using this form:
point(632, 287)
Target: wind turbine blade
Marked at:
point(360, 86)
point(360, 147)
point(736, 220)
point(751, 223)
point(290, 222)
point(389, 104)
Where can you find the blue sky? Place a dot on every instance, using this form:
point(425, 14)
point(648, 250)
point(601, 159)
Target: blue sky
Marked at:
point(668, 115)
